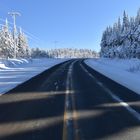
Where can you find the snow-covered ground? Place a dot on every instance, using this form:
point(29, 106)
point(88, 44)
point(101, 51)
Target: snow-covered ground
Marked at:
point(124, 71)
point(16, 71)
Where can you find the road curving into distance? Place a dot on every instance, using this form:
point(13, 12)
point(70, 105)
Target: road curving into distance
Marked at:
point(70, 101)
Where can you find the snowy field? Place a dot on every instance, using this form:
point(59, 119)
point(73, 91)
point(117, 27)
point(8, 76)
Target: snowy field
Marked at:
point(16, 71)
point(126, 72)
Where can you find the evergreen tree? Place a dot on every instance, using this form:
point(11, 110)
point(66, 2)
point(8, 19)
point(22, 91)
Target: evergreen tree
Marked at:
point(137, 19)
point(122, 40)
point(125, 25)
point(22, 45)
point(6, 42)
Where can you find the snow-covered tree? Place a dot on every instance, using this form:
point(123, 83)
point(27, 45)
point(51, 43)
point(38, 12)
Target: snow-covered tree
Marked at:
point(11, 46)
point(6, 42)
point(22, 45)
point(125, 25)
point(137, 19)
point(123, 39)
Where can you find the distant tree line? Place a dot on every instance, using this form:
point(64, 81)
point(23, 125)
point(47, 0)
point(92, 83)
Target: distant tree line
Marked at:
point(71, 53)
point(39, 53)
point(123, 39)
point(8, 43)
point(63, 53)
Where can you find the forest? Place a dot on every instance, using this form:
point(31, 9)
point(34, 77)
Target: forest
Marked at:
point(122, 40)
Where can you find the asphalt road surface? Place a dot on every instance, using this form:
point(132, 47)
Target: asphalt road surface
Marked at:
point(70, 102)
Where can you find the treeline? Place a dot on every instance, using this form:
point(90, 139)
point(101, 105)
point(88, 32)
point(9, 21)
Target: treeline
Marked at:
point(71, 53)
point(63, 53)
point(12, 45)
point(123, 39)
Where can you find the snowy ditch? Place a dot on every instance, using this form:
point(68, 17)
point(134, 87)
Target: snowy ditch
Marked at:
point(16, 71)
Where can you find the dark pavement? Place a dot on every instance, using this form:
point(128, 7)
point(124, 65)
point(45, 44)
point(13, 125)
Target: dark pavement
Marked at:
point(70, 101)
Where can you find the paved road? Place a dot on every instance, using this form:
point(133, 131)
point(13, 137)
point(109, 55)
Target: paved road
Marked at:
point(70, 102)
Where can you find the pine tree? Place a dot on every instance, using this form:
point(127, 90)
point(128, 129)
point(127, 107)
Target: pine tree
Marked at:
point(6, 42)
point(22, 45)
point(122, 40)
point(119, 25)
point(137, 19)
point(125, 25)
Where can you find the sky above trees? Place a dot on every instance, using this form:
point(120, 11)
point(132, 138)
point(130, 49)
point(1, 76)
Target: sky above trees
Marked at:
point(67, 23)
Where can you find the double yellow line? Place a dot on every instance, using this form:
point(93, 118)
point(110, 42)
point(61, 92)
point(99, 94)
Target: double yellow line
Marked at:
point(67, 114)
point(70, 115)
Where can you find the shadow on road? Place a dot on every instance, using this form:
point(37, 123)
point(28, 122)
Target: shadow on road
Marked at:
point(40, 116)
point(35, 110)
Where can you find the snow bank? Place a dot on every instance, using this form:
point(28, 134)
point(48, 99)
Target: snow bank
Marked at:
point(11, 63)
point(16, 71)
point(126, 72)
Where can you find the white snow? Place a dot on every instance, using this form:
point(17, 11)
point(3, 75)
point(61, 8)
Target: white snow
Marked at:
point(16, 71)
point(124, 71)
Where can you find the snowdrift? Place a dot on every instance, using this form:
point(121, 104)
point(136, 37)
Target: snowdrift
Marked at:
point(12, 63)
point(16, 71)
point(124, 71)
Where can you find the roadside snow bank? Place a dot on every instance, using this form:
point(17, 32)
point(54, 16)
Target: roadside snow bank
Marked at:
point(126, 72)
point(16, 71)
point(11, 63)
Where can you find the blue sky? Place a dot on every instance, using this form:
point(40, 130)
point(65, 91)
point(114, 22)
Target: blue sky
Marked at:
point(72, 23)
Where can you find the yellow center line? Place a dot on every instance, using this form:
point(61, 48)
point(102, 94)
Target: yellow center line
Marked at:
point(70, 115)
point(75, 117)
point(65, 120)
